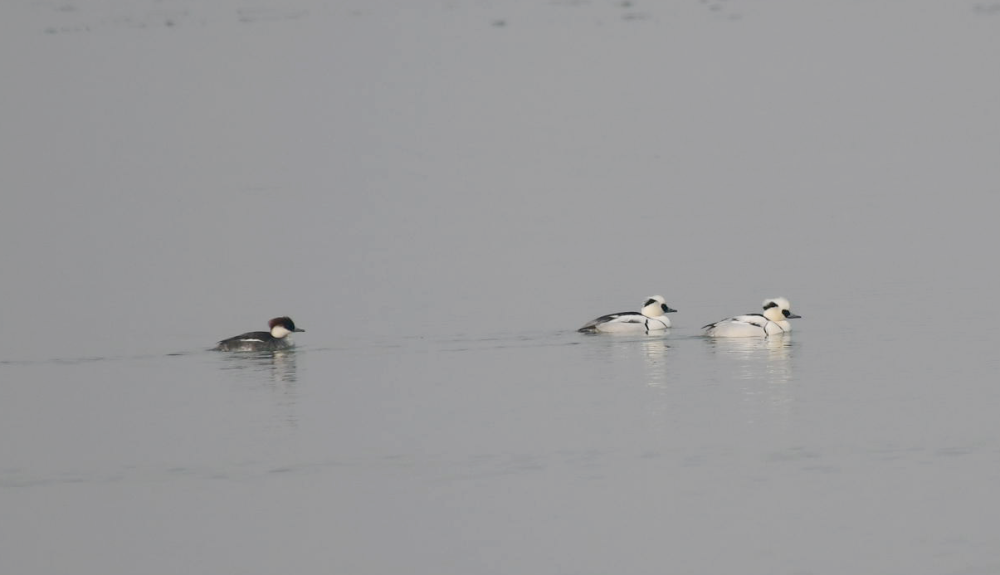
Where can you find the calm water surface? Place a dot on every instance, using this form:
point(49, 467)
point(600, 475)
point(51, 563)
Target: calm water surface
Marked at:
point(557, 452)
point(440, 194)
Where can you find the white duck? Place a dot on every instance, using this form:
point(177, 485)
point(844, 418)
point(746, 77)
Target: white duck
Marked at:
point(651, 318)
point(774, 321)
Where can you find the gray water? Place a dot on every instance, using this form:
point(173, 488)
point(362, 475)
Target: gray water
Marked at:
point(440, 193)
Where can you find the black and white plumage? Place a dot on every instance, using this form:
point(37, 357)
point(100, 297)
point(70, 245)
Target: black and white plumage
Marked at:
point(651, 318)
point(774, 321)
point(274, 340)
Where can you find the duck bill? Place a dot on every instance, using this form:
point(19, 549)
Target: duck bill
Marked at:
point(793, 316)
point(669, 310)
point(298, 329)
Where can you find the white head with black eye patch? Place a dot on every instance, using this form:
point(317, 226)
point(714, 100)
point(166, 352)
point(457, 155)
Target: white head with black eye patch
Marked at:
point(655, 306)
point(778, 309)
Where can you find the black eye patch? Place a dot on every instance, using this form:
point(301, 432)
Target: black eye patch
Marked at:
point(786, 313)
point(649, 302)
point(770, 304)
point(664, 307)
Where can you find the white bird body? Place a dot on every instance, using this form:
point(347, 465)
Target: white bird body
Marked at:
point(774, 321)
point(651, 318)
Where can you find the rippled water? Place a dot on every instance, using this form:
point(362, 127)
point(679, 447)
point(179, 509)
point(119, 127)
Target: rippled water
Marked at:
point(440, 193)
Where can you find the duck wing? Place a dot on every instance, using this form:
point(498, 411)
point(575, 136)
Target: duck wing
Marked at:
point(621, 317)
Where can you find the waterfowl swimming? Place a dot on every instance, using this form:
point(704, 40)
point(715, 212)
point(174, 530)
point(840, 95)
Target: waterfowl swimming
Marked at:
point(651, 318)
point(274, 340)
point(774, 321)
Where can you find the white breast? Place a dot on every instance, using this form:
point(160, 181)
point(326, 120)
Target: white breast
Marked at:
point(631, 323)
point(747, 326)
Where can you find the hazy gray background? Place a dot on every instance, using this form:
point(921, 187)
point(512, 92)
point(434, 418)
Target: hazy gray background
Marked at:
point(440, 193)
